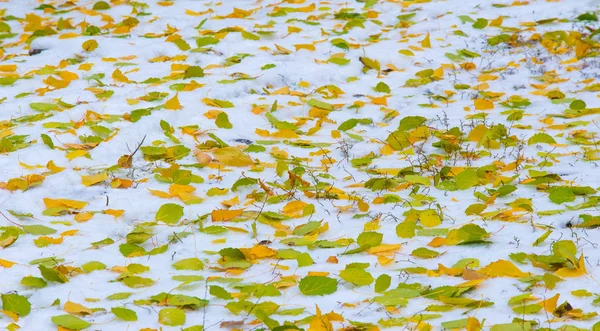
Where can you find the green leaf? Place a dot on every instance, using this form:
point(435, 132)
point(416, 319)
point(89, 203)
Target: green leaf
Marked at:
point(43, 107)
point(307, 228)
point(382, 283)
point(38, 229)
point(304, 260)
point(480, 23)
point(220, 292)
point(17, 304)
point(193, 71)
point(561, 194)
point(47, 140)
point(317, 285)
point(206, 41)
point(382, 88)
point(52, 275)
point(189, 264)
point(541, 239)
point(93, 265)
point(369, 239)
point(356, 276)
point(250, 36)
point(222, 121)
point(70, 322)
point(577, 105)
point(171, 316)
point(169, 213)
point(7, 80)
point(527, 309)
point(319, 104)
point(466, 179)
point(541, 137)
point(424, 253)
point(475, 209)
point(124, 314)
point(34, 282)
point(246, 181)
point(119, 296)
point(523, 326)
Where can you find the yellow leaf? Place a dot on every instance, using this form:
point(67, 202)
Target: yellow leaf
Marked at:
point(11, 314)
point(426, 43)
point(294, 208)
point(258, 252)
point(320, 322)
point(160, 194)
point(54, 241)
point(482, 104)
point(118, 76)
point(8, 67)
point(56, 83)
point(233, 156)
point(75, 308)
point(66, 203)
point(89, 45)
point(473, 324)
point(430, 218)
point(231, 202)
point(224, 215)
point(550, 304)
point(173, 103)
point(382, 101)
point(502, 268)
point(6, 263)
point(69, 233)
point(114, 212)
point(406, 52)
point(94, 179)
point(363, 206)
point(309, 47)
point(83, 217)
point(497, 21)
point(385, 249)
point(77, 153)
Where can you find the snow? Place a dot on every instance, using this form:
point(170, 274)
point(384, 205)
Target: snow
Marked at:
point(301, 72)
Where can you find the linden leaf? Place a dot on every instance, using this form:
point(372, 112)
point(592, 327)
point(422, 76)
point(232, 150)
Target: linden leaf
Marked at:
point(233, 156)
point(16, 303)
point(70, 322)
point(317, 285)
point(356, 276)
point(171, 316)
point(89, 45)
point(561, 194)
point(124, 314)
point(169, 213)
point(483, 104)
point(75, 308)
point(189, 264)
point(466, 179)
point(430, 218)
point(94, 179)
point(502, 268)
point(222, 121)
point(382, 283)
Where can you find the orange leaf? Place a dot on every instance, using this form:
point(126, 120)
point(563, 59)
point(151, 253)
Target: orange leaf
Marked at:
point(223, 215)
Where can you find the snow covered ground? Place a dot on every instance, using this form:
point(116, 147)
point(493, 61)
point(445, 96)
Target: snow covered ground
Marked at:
point(299, 165)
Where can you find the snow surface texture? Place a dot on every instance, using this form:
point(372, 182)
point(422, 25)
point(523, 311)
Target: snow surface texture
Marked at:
point(411, 165)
